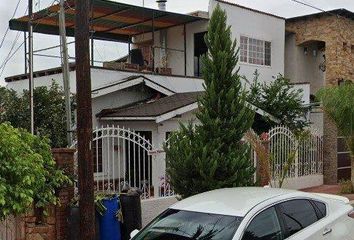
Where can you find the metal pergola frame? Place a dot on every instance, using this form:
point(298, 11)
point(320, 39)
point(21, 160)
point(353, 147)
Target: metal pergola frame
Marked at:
point(110, 21)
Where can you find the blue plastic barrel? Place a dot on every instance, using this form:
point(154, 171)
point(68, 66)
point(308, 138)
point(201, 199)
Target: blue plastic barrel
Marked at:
point(110, 228)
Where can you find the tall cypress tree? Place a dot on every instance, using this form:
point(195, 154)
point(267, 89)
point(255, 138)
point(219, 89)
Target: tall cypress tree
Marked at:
point(210, 154)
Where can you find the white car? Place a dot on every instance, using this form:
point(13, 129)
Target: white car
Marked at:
point(252, 214)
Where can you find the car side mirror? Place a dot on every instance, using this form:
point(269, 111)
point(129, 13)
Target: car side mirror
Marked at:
point(134, 233)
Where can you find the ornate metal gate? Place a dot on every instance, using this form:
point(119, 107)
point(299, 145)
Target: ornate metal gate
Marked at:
point(302, 155)
point(122, 158)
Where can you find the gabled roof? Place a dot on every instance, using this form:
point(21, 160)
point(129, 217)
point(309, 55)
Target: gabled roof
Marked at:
point(162, 109)
point(154, 110)
point(130, 82)
point(339, 12)
point(113, 21)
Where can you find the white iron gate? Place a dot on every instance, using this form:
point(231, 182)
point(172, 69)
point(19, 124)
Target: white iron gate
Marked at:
point(121, 158)
point(302, 155)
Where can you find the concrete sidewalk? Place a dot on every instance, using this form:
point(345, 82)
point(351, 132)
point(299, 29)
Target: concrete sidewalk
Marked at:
point(329, 189)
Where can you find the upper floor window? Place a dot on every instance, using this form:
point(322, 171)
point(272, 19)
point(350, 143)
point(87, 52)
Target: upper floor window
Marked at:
point(255, 51)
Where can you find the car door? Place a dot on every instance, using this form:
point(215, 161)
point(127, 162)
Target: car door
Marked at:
point(303, 220)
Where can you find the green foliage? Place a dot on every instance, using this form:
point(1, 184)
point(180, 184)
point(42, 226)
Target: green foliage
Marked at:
point(285, 171)
point(281, 100)
point(338, 103)
point(28, 173)
point(211, 155)
point(49, 112)
point(346, 187)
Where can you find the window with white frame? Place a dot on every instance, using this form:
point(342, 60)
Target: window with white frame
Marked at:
point(255, 51)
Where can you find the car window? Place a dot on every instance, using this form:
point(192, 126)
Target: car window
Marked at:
point(297, 215)
point(265, 226)
point(185, 225)
point(321, 207)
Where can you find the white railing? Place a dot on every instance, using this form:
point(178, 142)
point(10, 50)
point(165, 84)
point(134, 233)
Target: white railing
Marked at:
point(302, 154)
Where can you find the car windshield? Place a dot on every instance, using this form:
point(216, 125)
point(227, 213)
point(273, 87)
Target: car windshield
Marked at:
point(183, 225)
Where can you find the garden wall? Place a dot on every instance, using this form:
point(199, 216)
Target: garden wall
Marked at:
point(54, 226)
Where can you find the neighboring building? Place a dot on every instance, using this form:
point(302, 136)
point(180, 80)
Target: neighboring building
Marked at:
point(319, 49)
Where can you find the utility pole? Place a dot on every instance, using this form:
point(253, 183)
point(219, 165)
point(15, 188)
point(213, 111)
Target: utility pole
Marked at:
point(84, 120)
point(66, 70)
point(30, 61)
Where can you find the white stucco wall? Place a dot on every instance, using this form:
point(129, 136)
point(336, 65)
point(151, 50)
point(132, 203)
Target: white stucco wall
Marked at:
point(151, 208)
point(301, 182)
point(301, 67)
point(115, 100)
point(260, 26)
point(305, 87)
point(316, 118)
point(102, 77)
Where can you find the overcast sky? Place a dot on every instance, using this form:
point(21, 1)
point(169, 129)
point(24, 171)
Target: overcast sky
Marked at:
point(108, 51)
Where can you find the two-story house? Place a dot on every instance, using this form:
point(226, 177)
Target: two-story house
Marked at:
point(164, 60)
point(156, 86)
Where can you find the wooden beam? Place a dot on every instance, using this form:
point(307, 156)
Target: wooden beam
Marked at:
point(134, 24)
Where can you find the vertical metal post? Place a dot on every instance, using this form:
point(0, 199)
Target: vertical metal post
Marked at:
point(92, 40)
point(25, 49)
point(185, 49)
point(84, 120)
point(66, 74)
point(92, 51)
point(30, 63)
point(153, 41)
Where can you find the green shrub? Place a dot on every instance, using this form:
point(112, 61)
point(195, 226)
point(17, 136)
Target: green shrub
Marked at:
point(49, 109)
point(28, 173)
point(281, 100)
point(346, 187)
point(211, 155)
point(338, 104)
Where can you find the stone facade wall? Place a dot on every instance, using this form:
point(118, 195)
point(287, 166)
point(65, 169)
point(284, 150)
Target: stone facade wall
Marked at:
point(337, 33)
point(54, 226)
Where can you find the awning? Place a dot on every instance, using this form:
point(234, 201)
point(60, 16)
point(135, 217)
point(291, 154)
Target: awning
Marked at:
point(112, 21)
